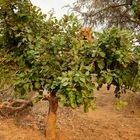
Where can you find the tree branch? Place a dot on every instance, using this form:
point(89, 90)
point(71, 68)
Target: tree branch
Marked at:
point(4, 90)
point(16, 106)
point(106, 8)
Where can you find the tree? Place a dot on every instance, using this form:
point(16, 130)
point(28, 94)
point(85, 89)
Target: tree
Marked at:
point(124, 13)
point(51, 58)
point(118, 60)
point(48, 55)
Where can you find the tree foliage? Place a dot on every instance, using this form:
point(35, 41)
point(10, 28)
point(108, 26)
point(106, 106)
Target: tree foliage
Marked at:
point(123, 13)
point(58, 61)
point(49, 55)
point(118, 60)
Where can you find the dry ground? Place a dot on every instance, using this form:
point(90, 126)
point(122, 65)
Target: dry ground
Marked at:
point(106, 123)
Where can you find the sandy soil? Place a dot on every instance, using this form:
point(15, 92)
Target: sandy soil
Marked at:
point(106, 123)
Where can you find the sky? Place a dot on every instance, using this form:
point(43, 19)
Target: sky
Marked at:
point(57, 5)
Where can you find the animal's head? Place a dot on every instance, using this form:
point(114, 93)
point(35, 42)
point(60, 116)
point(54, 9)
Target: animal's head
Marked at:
point(86, 33)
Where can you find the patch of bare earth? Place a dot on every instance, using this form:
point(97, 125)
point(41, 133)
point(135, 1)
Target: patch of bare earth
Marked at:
point(106, 123)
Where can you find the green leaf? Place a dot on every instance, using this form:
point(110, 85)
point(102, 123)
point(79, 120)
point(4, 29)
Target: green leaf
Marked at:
point(101, 64)
point(64, 84)
point(26, 87)
point(102, 54)
point(109, 79)
point(72, 99)
point(37, 85)
point(87, 73)
point(82, 79)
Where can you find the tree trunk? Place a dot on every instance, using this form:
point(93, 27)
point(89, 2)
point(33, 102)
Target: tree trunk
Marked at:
point(51, 119)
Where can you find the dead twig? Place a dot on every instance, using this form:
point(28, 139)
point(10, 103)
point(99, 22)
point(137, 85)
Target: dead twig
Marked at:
point(16, 106)
point(4, 90)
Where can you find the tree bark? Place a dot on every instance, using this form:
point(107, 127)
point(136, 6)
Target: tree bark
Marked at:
point(51, 119)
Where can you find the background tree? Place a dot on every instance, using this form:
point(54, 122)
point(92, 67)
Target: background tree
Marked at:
point(118, 60)
point(107, 13)
point(104, 14)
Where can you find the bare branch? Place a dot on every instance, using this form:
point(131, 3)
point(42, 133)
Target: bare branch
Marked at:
point(106, 8)
point(17, 105)
point(105, 12)
point(4, 90)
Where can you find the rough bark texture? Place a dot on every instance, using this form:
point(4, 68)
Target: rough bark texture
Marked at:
point(51, 119)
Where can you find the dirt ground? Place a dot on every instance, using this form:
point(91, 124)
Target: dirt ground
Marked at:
point(106, 123)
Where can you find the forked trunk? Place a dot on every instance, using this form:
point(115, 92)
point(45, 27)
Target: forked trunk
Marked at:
point(51, 119)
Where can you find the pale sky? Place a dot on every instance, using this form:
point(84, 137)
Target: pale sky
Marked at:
point(57, 5)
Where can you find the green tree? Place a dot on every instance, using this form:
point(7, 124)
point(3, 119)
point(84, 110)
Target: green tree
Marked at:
point(50, 57)
point(117, 60)
point(48, 54)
